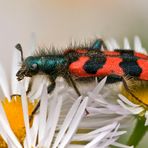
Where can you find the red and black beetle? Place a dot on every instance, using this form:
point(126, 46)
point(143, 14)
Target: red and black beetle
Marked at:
point(86, 62)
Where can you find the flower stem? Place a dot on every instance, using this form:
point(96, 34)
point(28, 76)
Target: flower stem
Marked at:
point(138, 132)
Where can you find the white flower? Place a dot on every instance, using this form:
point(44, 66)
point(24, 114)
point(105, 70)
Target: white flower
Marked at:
point(52, 127)
point(62, 114)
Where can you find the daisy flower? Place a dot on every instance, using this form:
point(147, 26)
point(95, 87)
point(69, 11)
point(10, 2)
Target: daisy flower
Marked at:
point(62, 121)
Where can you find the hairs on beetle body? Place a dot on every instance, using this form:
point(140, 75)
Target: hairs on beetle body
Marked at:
point(44, 51)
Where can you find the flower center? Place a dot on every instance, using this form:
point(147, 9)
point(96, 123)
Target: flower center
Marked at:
point(140, 90)
point(15, 118)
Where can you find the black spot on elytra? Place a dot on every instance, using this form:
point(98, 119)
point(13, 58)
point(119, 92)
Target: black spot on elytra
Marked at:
point(111, 79)
point(125, 51)
point(129, 63)
point(95, 63)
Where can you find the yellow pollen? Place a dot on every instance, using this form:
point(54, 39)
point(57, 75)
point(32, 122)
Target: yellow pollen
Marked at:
point(14, 114)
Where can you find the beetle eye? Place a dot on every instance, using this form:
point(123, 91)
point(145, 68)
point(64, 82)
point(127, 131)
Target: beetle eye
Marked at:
point(33, 66)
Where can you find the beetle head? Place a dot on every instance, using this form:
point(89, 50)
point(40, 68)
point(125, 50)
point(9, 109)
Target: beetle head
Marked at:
point(29, 65)
point(28, 69)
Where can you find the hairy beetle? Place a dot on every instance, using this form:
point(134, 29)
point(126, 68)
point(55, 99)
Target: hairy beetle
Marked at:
point(85, 62)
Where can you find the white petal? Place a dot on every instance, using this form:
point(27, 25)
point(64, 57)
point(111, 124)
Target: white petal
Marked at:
point(43, 114)
point(52, 120)
point(117, 110)
point(37, 94)
point(37, 87)
point(146, 116)
point(3, 133)
point(99, 110)
point(114, 132)
point(119, 145)
point(138, 46)
point(26, 82)
point(10, 136)
point(4, 83)
point(25, 113)
point(75, 146)
point(135, 111)
point(74, 124)
point(96, 140)
point(99, 101)
point(114, 44)
point(14, 68)
point(100, 86)
point(118, 133)
point(126, 44)
point(107, 142)
point(3, 114)
point(124, 99)
point(67, 122)
point(109, 45)
point(93, 134)
point(34, 130)
point(105, 128)
point(98, 121)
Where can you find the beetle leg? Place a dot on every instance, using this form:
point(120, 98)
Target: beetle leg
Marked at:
point(76, 89)
point(34, 111)
point(29, 86)
point(74, 85)
point(50, 88)
point(98, 44)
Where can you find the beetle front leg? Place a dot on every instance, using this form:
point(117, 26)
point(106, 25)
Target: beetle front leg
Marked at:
point(30, 86)
point(50, 88)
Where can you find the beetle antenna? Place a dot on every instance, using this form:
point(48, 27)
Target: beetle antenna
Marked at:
point(19, 47)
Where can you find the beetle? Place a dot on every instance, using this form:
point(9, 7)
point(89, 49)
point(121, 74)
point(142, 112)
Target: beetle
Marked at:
point(84, 63)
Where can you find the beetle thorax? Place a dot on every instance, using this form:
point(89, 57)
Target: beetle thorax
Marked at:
point(53, 64)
